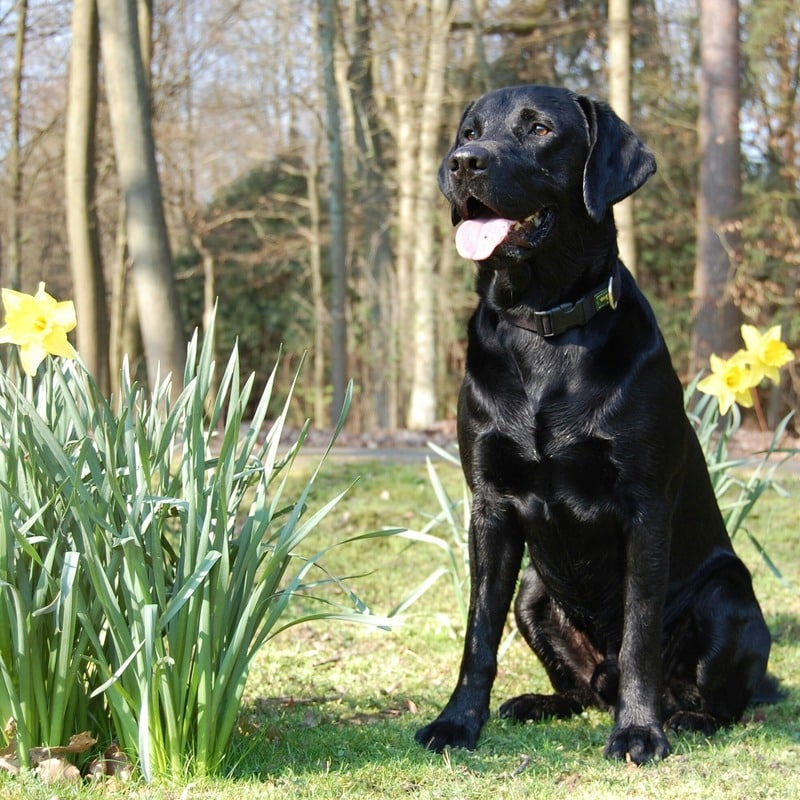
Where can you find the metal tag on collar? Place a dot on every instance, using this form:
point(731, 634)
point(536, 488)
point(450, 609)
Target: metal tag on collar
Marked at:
point(613, 300)
point(603, 298)
point(606, 297)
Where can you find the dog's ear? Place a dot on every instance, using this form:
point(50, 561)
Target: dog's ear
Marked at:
point(618, 162)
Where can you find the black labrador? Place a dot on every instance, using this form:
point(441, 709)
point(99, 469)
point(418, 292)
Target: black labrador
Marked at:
point(575, 442)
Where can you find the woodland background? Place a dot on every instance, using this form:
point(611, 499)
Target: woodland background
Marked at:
point(295, 147)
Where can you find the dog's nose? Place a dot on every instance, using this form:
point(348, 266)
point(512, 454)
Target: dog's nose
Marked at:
point(468, 160)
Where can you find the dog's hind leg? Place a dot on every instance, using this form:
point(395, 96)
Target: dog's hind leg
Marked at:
point(572, 663)
point(718, 664)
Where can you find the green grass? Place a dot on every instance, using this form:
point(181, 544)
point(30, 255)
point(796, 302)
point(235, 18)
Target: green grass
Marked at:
point(331, 709)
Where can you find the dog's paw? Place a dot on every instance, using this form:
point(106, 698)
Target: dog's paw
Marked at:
point(687, 721)
point(441, 733)
point(533, 707)
point(638, 743)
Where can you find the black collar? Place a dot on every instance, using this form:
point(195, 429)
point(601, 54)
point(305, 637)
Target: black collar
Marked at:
point(555, 321)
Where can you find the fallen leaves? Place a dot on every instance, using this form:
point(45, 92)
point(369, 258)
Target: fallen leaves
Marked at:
point(49, 763)
point(112, 764)
point(57, 770)
point(52, 765)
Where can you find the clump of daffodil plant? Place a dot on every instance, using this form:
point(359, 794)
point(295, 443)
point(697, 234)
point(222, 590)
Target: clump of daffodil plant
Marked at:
point(732, 383)
point(147, 550)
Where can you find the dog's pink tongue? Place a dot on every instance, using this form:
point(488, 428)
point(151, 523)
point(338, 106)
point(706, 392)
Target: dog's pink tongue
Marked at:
point(477, 239)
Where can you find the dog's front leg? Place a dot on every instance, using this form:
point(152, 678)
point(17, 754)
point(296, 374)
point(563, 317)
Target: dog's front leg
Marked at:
point(495, 557)
point(638, 733)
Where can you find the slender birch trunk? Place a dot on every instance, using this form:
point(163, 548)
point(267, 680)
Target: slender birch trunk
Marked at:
point(89, 286)
point(422, 403)
point(619, 56)
point(13, 273)
point(336, 210)
point(134, 148)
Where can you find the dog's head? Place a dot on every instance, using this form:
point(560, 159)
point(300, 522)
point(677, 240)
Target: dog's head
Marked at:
point(534, 164)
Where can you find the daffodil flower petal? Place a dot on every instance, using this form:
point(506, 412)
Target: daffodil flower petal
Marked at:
point(31, 355)
point(56, 344)
point(63, 316)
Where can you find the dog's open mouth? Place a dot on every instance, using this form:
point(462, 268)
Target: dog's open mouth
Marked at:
point(478, 238)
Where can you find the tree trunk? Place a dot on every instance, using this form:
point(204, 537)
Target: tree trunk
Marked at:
point(129, 108)
point(336, 203)
point(403, 127)
point(13, 275)
point(126, 335)
point(477, 13)
point(619, 56)
point(89, 288)
point(716, 318)
point(317, 288)
point(144, 23)
point(375, 248)
point(422, 403)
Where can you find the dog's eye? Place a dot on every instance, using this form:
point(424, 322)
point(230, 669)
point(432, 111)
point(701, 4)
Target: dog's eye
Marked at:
point(540, 130)
point(470, 134)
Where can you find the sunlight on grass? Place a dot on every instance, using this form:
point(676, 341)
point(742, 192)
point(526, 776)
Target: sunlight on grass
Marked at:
point(345, 703)
point(331, 710)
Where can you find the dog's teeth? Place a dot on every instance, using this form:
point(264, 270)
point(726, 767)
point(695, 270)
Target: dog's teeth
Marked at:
point(533, 221)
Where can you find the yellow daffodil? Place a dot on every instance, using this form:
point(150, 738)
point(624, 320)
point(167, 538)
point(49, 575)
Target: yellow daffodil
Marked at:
point(730, 382)
point(38, 324)
point(766, 352)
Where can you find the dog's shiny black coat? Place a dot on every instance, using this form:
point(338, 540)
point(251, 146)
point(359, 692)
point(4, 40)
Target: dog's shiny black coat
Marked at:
point(578, 447)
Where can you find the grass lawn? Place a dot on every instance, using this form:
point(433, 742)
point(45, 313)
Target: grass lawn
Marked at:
point(331, 709)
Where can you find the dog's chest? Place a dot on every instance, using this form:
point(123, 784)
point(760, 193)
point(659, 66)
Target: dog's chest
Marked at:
point(540, 451)
point(542, 441)
point(534, 419)
point(553, 456)
point(560, 491)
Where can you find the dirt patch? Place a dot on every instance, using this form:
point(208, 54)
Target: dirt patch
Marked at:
point(752, 444)
point(748, 443)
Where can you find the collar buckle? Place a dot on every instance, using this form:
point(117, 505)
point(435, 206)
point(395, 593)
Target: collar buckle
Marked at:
point(555, 321)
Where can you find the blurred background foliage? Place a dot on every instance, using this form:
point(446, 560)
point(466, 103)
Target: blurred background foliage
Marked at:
point(239, 123)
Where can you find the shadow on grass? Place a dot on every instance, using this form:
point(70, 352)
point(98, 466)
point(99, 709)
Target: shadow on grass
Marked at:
point(290, 741)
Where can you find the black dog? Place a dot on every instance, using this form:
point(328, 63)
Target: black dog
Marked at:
point(574, 441)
